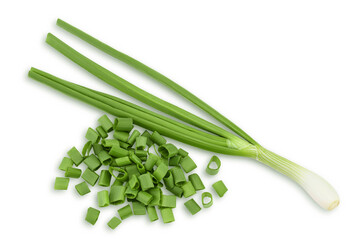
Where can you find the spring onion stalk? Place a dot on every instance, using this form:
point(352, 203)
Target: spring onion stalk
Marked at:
point(209, 137)
point(133, 91)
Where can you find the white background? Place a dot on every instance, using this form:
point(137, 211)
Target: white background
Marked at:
point(286, 71)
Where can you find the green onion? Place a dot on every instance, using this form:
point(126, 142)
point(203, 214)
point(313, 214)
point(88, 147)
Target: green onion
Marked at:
point(123, 161)
point(125, 212)
point(105, 178)
point(121, 136)
point(73, 172)
point(92, 162)
point(206, 203)
point(146, 181)
point(114, 223)
point(123, 124)
point(117, 194)
point(167, 215)
point(138, 208)
point(214, 160)
point(196, 182)
point(65, 163)
point(103, 198)
point(61, 183)
point(92, 136)
point(188, 164)
point(90, 177)
point(220, 188)
point(75, 156)
point(208, 136)
point(82, 188)
point(152, 213)
point(92, 215)
point(192, 206)
point(134, 182)
point(189, 189)
point(102, 133)
point(144, 197)
point(105, 123)
point(156, 194)
point(168, 201)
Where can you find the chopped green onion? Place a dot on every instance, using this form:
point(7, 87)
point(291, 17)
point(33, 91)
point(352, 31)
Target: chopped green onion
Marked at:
point(102, 133)
point(132, 169)
point(61, 183)
point(114, 223)
point(92, 162)
point(92, 215)
point(118, 152)
point(206, 203)
point(220, 188)
point(168, 150)
point(146, 181)
point(103, 198)
point(73, 172)
point(196, 182)
point(105, 123)
point(65, 163)
point(175, 160)
point(97, 148)
point(117, 194)
point(189, 189)
point(144, 197)
point(123, 161)
point(125, 212)
point(104, 157)
point(131, 193)
point(141, 154)
point(192, 206)
point(121, 136)
point(160, 171)
point(105, 178)
point(124, 145)
point(150, 161)
point(177, 191)
point(92, 136)
point(138, 208)
point(133, 137)
point(82, 188)
point(157, 138)
point(188, 164)
point(90, 177)
point(168, 201)
point(134, 182)
point(140, 143)
point(167, 215)
point(182, 152)
point(123, 174)
point(123, 124)
point(214, 160)
point(87, 148)
point(156, 194)
point(146, 134)
point(179, 176)
point(109, 143)
point(75, 156)
point(152, 213)
point(140, 168)
point(169, 180)
point(135, 159)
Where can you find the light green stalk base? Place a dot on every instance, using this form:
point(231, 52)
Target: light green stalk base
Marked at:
point(317, 187)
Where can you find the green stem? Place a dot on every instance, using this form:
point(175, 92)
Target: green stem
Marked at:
point(140, 117)
point(130, 89)
point(157, 76)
